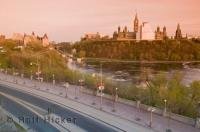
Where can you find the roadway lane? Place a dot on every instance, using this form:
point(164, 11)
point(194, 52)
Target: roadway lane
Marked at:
point(81, 121)
point(26, 117)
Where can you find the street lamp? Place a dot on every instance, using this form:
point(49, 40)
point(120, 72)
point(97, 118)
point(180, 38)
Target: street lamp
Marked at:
point(13, 69)
point(22, 75)
point(66, 89)
point(115, 99)
point(197, 123)
point(6, 71)
point(54, 79)
point(151, 109)
point(37, 73)
point(1, 68)
point(38, 69)
point(165, 109)
point(101, 88)
point(31, 75)
point(75, 93)
point(81, 81)
point(94, 90)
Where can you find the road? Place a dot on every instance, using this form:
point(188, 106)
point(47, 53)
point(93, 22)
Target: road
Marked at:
point(79, 120)
point(20, 112)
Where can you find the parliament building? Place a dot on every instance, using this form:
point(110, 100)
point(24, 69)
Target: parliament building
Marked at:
point(125, 34)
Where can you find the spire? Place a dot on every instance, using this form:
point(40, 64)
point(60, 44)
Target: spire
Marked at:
point(119, 29)
point(33, 33)
point(136, 15)
point(125, 28)
point(136, 23)
point(178, 26)
point(158, 28)
point(164, 32)
point(164, 29)
point(178, 34)
point(45, 36)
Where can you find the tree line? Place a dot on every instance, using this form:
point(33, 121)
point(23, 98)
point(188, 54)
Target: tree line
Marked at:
point(167, 50)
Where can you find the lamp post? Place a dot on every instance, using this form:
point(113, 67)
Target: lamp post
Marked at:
point(197, 122)
point(75, 93)
point(31, 75)
point(101, 87)
point(54, 79)
point(74, 81)
point(38, 69)
point(38, 72)
point(22, 75)
point(6, 72)
point(13, 70)
point(0, 68)
point(165, 109)
point(94, 90)
point(151, 109)
point(115, 99)
point(81, 81)
point(66, 89)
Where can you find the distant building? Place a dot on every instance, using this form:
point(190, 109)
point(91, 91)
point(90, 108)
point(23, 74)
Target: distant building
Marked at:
point(29, 38)
point(139, 32)
point(2, 37)
point(26, 39)
point(18, 37)
point(125, 34)
point(45, 40)
point(178, 34)
point(160, 35)
point(146, 32)
point(90, 36)
point(94, 36)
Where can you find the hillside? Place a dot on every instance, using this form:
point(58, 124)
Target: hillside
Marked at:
point(169, 50)
point(14, 58)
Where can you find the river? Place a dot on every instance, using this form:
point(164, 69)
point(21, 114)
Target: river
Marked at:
point(131, 71)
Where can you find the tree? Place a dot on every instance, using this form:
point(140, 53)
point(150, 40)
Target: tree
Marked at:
point(82, 54)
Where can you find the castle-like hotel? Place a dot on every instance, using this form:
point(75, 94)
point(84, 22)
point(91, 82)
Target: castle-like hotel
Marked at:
point(139, 31)
point(26, 39)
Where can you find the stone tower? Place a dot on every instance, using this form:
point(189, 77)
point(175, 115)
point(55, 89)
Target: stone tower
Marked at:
point(164, 32)
point(178, 34)
point(119, 29)
point(136, 24)
point(45, 40)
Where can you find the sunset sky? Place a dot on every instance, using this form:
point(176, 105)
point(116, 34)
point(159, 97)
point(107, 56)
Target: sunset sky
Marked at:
point(68, 20)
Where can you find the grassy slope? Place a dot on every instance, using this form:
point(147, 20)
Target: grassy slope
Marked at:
point(50, 61)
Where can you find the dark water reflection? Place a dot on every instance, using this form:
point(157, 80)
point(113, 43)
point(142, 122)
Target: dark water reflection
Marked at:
point(132, 71)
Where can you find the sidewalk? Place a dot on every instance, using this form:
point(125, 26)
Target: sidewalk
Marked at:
point(123, 111)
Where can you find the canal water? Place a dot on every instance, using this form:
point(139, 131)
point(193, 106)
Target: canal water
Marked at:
point(131, 72)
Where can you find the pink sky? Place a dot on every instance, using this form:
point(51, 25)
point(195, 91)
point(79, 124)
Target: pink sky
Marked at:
point(68, 20)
